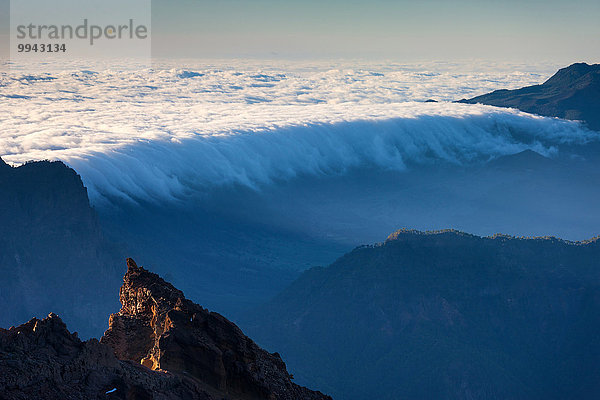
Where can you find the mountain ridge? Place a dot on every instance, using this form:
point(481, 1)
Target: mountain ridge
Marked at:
point(447, 315)
point(412, 232)
point(571, 93)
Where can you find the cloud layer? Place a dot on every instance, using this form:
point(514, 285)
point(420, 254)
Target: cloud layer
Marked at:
point(458, 134)
point(166, 132)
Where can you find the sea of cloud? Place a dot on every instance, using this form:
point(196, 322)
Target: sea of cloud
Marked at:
point(165, 132)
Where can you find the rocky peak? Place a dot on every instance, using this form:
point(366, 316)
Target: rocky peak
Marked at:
point(51, 331)
point(569, 75)
point(143, 291)
point(158, 346)
point(161, 329)
point(41, 359)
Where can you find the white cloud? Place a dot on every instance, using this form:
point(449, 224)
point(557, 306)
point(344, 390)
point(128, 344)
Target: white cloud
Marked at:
point(160, 133)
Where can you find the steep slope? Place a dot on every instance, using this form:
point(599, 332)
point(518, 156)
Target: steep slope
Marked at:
point(572, 93)
point(52, 252)
point(160, 328)
point(159, 346)
point(444, 315)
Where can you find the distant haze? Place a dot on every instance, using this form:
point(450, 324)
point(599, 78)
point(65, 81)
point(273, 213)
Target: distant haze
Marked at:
point(554, 30)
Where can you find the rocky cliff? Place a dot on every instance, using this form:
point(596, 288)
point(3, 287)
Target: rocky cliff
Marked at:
point(53, 255)
point(572, 93)
point(158, 346)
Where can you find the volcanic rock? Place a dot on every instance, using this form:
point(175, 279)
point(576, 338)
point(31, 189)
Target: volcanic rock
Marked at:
point(158, 346)
point(41, 359)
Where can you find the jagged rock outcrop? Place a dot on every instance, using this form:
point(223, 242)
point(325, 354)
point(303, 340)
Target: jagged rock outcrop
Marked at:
point(41, 359)
point(159, 328)
point(159, 346)
point(572, 93)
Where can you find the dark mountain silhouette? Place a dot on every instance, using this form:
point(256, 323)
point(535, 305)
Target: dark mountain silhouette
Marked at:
point(52, 252)
point(524, 160)
point(158, 346)
point(572, 93)
point(444, 315)
point(3, 165)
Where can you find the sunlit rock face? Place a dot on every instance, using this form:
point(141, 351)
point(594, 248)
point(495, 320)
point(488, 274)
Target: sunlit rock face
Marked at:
point(159, 328)
point(41, 359)
point(159, 346)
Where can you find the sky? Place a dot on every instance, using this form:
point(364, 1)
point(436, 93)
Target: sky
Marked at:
point(526, 30)
point(510, 30)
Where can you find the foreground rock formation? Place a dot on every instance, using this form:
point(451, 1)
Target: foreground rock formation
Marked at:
point(41, 359)
point(159, 346)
